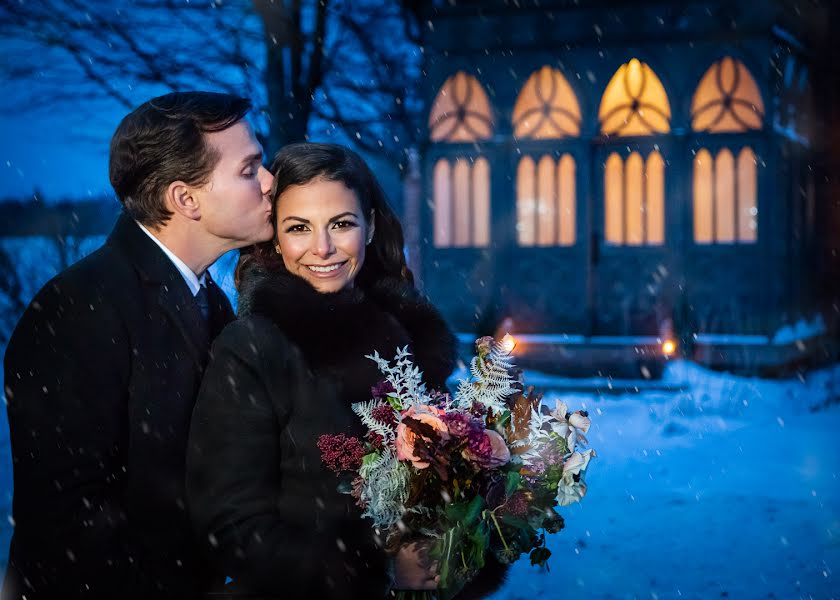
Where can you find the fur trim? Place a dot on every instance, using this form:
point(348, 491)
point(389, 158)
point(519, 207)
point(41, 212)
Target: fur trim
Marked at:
point(332, 328)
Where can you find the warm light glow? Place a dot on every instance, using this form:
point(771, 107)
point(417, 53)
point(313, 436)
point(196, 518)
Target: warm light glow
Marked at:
point(614, 199)
point(747, 196)
point(526, 202)
point(481, 203)
point(567, 216)
point(461, 111)
point(545, 201)
point(635, 102)
point(461, 203)
point(703, 198)
point(442, 203)
point(669, 347)
point(725, 197)
point(655, 199)
point(461, 226)
point(508, 343)
point(546, 108)
point(727, 99)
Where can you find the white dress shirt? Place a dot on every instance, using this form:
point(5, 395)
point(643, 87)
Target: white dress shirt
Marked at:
point(193, 281)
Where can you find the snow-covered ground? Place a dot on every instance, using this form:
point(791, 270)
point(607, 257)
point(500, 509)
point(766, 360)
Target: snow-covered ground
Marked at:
point(728, 489)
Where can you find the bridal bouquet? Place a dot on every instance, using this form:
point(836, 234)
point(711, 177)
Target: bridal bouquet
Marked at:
point(479, 472)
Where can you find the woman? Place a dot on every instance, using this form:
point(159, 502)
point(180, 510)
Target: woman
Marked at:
point(331, 287)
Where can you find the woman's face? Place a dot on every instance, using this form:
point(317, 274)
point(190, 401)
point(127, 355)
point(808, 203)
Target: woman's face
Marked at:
point(321, 233)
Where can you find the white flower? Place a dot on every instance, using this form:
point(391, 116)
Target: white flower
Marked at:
point(569, 494)
point(571, 429)
point(577, 462)
point(578, 421)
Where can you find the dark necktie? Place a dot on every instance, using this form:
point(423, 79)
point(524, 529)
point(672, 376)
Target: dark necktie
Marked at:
point(202, 298)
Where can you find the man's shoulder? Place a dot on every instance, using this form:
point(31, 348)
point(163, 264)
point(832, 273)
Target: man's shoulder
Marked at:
point(104, 271)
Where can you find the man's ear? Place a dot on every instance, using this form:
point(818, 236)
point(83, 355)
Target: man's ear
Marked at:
point(183, 199)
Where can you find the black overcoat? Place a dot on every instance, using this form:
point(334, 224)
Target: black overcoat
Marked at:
point(101, 376)
point(286, 372)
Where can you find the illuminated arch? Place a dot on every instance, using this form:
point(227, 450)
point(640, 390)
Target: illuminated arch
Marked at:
point(727, 99)
point(635, 102)
point(461, 111)
point(546, 107)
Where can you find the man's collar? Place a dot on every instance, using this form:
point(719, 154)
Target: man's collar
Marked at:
point(193, 281)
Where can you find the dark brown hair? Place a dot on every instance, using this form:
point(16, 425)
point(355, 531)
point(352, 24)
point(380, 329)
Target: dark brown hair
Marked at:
point(163, 141)
point(298, 164)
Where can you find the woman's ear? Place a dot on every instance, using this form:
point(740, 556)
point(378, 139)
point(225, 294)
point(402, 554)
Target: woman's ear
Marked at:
point(371, 226)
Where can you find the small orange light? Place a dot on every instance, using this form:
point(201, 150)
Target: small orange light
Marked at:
point(668, 347)
point(508, 343)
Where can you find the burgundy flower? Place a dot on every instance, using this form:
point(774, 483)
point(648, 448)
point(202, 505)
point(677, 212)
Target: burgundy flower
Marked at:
point(340, 452)
point(516, 505)
point(385, 414)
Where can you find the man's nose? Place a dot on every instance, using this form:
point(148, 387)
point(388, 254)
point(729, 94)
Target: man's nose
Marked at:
point(266, 180)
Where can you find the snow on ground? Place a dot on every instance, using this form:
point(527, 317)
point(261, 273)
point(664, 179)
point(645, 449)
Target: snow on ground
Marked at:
point(726, 489)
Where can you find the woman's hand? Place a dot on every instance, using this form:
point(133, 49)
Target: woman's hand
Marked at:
point(413, 570)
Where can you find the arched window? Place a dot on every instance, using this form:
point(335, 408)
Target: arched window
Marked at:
point(634, 200)
point(546, 107)
point(725, 197)
point(727, 99)
point(545, 201)
point(461, 111)
point(461, 203)
point(635, 102)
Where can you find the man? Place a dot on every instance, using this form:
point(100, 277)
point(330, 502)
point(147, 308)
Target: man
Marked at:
point(103, 368)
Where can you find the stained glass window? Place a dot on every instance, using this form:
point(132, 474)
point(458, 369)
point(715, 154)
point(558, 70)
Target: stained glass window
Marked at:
point(634, 200)
point(546, 107)
point(635, 102)
point(545, 201)
point(727, 99)
point(461, 200)
point(725, 197)
point(461, 111)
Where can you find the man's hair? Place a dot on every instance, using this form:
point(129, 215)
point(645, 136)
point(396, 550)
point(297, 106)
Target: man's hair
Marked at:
point(163, 141)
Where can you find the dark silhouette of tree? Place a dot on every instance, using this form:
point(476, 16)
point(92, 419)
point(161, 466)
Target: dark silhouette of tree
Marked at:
point(312, 67)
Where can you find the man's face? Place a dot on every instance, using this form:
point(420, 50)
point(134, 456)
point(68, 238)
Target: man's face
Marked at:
point(234, 203)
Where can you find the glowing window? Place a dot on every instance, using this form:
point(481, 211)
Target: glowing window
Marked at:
point(461, 111)
point(725, 197)
point(547, 107)
point(634, 200)
point(635, 102)
point(545, 202)
point(727, 99)
point(461, 201)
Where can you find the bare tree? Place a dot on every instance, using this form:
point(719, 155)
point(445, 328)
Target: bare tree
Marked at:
point(312, 67)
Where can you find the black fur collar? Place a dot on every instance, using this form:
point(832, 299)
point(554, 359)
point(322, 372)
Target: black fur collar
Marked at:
point(333, 328)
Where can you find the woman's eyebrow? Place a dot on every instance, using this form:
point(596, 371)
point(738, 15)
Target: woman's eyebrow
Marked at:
point(344, 214)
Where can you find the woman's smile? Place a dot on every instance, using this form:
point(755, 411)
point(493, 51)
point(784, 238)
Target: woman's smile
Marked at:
point(325, 271)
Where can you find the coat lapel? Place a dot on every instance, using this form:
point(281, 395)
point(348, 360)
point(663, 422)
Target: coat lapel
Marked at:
point(165, 286)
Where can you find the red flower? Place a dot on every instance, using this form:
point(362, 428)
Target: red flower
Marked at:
point(340, 452)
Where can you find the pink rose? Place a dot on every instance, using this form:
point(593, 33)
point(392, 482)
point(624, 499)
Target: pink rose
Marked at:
point(487, 449)
point(406, 437)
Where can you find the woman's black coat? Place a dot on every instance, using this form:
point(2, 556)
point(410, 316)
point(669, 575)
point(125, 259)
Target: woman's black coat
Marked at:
point(282, 375)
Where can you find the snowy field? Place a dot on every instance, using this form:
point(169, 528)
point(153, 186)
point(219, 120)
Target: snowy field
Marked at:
point(726, 489)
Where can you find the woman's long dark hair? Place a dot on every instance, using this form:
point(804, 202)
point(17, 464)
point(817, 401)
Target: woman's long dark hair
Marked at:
point(298, 164)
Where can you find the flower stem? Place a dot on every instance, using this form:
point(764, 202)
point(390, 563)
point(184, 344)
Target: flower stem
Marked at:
point(499, 529)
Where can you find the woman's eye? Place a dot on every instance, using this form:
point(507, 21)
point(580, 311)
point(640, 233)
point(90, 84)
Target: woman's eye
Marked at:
point(344, 224)
point(296, 229)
